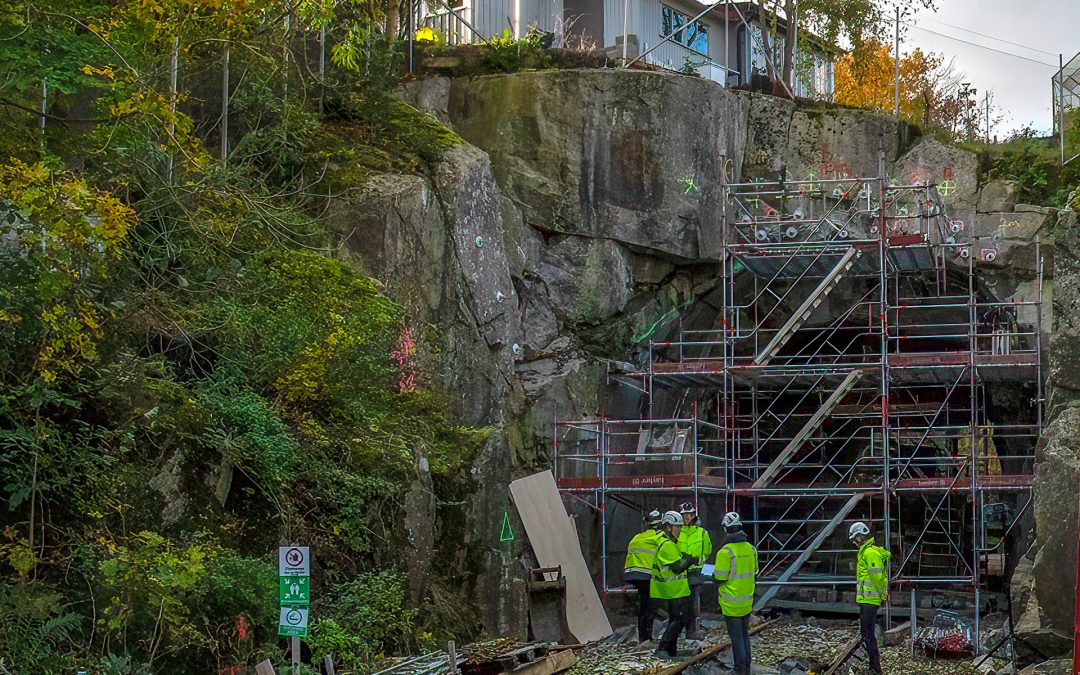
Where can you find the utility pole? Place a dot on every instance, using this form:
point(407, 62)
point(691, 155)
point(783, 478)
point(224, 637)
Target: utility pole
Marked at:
point(625, 18)
point(1061, 107)
point(322, 66)
point(285, 53)
point(988, 117)
point(727, 56)
point(896, 72)
point(410, 36)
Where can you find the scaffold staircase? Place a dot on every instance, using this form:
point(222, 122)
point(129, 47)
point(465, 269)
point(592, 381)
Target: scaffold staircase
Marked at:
point(808, 429)
point(938, 555)
point(814, 544)
point(806, 309)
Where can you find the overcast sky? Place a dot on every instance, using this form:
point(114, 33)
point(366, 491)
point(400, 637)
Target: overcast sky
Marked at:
point(1021, 88)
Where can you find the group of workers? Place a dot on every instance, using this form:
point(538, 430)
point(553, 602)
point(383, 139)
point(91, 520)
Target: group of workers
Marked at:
point(666, 564)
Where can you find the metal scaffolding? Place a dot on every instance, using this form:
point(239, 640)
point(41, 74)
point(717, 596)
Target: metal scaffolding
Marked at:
point(854, 372)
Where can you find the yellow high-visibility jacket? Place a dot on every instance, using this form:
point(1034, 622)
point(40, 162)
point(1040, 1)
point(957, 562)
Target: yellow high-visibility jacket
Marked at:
point(641, 556)
point(668, 584)
point(871, 577)
point(736, 571)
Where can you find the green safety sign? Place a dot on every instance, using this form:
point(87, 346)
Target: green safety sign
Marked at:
point(507, 533)
point(294, 590)
point(293, 622)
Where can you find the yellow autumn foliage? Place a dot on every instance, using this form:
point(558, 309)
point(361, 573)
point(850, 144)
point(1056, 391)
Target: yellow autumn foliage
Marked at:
point(865, 78)
point(70, 234)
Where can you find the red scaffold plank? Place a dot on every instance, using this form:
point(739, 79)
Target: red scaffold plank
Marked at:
point(674, 480)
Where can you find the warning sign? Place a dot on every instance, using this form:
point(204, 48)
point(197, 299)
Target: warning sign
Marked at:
point(293, 561)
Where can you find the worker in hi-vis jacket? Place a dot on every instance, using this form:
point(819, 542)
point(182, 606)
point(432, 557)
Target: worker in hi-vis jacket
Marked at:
point(640, 559)
point(871, 588)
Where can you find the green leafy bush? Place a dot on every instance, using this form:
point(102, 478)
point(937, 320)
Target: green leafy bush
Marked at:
point(188, 374)
point(367, 51)
point(1035, 165)
point(369, 616)
point(34, 628)
point(249, 433)
point(508, 54)
point(153, 586)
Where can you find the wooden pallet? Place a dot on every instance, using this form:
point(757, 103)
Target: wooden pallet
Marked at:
point(509, 662)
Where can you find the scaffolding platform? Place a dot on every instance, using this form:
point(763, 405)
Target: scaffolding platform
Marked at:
point(905, 253)
point(846, 376)
point(914, 367)
point(669, 482)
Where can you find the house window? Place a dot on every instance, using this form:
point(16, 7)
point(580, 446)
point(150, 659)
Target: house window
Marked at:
point(695, 36)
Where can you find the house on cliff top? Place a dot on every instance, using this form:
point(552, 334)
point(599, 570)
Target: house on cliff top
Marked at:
point(731, 44)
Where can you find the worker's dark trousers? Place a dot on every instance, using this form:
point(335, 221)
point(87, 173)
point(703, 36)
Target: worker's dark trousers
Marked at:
point(738, 628)
point(678, 614)
point(694, 612)
point(867, 626)
point(646, 610)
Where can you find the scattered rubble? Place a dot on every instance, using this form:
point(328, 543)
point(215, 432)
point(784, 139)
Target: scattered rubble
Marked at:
point(611, 658)
point(790, 646)
point(804, 640)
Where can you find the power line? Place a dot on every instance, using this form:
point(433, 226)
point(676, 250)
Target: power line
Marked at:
point(989, 37)
point(976, 44)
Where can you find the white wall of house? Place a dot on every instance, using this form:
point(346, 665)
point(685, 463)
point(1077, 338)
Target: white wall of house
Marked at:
point(491, 17)
point(645, 22)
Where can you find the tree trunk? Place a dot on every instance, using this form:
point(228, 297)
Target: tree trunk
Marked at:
point(393, 13)
point(789, 44)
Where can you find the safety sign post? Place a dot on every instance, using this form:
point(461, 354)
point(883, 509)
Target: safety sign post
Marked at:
point(294, 597)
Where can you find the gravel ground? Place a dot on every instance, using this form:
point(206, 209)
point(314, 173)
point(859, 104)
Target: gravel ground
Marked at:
point(809, 639)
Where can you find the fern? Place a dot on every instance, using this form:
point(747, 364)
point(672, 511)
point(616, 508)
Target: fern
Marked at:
point(33, 627)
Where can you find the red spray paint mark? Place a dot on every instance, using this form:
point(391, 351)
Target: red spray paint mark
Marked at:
point(405, 356)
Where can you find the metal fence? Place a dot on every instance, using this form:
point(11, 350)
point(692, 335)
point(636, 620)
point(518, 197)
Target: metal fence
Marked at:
point(1066, 90)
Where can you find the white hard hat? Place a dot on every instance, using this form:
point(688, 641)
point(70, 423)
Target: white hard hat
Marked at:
point(654, 517)
point(672, 518)
point(687, 507)
point(858, 529)
point(731, 519)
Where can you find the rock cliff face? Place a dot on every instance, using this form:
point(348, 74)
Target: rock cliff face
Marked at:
point(1045, 589)
point(581, 219)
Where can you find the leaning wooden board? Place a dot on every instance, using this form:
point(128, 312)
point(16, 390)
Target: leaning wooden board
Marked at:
point(554, 540)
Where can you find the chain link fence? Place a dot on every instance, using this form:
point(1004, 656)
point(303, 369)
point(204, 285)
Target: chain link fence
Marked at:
point(1066, 89)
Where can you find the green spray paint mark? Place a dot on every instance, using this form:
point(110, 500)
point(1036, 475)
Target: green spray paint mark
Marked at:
point(663, 319)
point(507, 533)
point(691, 186)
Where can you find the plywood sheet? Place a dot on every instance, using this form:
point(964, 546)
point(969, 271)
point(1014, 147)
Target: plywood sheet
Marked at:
point(554, 540)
